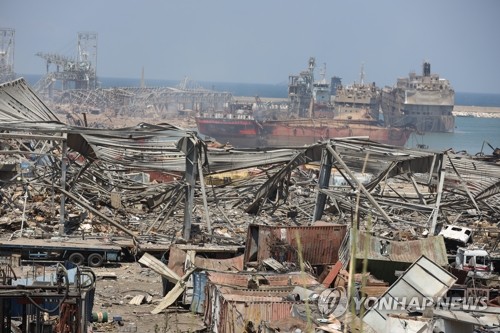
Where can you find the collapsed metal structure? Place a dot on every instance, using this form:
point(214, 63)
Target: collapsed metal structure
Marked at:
point(82, 160)
point(106, 158)
point(73, 85)
point(131, 101)
point(160, 183)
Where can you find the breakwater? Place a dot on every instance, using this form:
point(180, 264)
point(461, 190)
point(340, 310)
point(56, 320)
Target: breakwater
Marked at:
point(476, 111)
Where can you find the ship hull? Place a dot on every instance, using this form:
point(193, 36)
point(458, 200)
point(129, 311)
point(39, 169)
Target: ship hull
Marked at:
point(424, 118)
point(402, 108)
point(428, 123)
point(237, 132)
point(305, 132)
point(295, 133)
point(424, 102)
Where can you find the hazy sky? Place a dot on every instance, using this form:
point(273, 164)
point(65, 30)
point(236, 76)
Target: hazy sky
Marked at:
point(264, 41)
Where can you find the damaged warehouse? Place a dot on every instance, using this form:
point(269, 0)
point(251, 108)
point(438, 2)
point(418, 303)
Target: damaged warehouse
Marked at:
point(277, 240)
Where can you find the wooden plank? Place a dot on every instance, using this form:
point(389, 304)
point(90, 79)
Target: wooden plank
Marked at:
point(332, 274)
point(159, 267)
point(173, 294)
point(137, 300)
point(373, 291)
point(106, 275)
point(274, 264)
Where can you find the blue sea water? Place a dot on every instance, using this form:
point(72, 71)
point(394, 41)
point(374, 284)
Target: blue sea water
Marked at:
point(477, 99)
point(471, 134)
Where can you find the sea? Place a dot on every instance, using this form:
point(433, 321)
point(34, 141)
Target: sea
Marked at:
point(472, 135)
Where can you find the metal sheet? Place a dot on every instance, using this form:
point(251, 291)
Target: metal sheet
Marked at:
point(272, 280)
point(230, 264)
point(476, 318)
point(230, 313)
point(423, 280)
point(199, 284)
point(177, 259)
point(408, 251)
point(319, 244)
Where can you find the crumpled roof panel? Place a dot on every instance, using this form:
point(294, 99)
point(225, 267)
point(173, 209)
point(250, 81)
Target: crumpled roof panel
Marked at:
point(19, 102)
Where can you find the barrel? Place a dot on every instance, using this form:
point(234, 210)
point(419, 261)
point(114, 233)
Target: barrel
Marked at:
point(100, 317)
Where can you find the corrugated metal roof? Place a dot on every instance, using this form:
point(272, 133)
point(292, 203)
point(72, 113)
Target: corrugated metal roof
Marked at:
point(272, 280)
point(281, 292)
point(230, 310)
point(19, 102)
point(376, 248)
point(251, 298)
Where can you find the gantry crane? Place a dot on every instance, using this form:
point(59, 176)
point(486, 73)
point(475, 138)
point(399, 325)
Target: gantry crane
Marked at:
point(77, 72)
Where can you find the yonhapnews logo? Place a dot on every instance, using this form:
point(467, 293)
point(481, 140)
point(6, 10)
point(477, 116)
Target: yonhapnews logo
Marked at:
point(335, 302)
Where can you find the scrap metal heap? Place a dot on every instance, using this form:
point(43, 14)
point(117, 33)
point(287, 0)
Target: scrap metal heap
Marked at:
point(134, 102)
point(73, 90)
point(97, 164)
point(305, 217)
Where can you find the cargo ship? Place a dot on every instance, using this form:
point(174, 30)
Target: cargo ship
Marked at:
point(424, 102)
point(309, 118)
point(360, 99)
point(247, 132)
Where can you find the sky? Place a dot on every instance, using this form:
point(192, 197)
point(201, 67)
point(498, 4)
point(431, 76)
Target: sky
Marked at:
point(265, 41)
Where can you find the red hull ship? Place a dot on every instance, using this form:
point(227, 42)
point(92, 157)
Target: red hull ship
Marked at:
point(311, 119)
point(250, 133)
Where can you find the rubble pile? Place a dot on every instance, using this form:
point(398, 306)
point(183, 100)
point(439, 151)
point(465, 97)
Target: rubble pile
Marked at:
point(252, 238)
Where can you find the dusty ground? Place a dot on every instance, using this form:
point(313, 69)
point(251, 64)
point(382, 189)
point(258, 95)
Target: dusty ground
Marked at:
point(116, 285)
point(110, 119)
point(114, 294)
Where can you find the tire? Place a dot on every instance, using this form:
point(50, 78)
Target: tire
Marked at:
point(76, 258)
point(95, 260)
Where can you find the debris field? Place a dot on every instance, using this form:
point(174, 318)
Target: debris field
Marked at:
point(177, 234)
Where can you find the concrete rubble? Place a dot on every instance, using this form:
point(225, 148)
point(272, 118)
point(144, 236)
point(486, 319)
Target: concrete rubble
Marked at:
point(310, 239)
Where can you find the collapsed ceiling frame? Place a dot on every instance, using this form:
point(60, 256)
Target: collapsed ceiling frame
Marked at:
point(453, 181)
point(97, 162)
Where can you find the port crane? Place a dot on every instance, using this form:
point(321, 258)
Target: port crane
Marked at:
point(78, 72)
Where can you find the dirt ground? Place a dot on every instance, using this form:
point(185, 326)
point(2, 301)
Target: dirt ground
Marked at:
point(114, 294)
